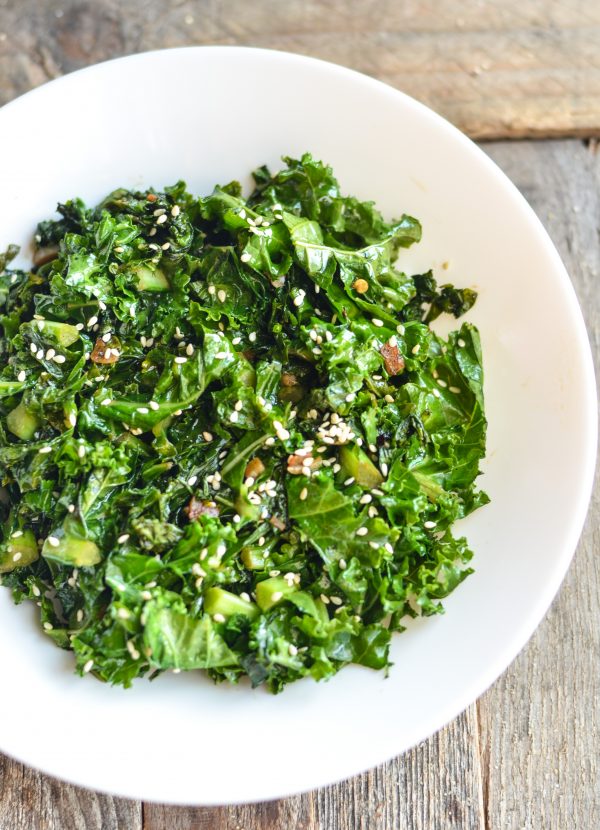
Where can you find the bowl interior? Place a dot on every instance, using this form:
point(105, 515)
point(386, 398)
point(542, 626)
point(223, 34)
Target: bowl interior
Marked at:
point(208, 115)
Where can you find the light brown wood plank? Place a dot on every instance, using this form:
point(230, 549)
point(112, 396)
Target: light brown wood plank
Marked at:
point(436, 786)
point(499, 68)
point(32, 801)
point(540, 723)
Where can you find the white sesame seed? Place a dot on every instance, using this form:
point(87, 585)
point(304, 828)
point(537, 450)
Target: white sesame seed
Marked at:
point(92, 321)
point(362, 531)
point(48, 626)
point(324, 598)
point(132, 310)
point(211, 289)
point(36, 591)
point(221, 355)
point(123, 614)
point(276, 596)
point(72, 419)
point(377, 322)
point(124, 537)
point(393, 341)
point(400, 329)
point(337, 600)
point(303, 494)
point(154, 405)
point(175, 210)
point(53, 541)
point(350, 397)
point(436, 393)
point(234, 417)
point(389, 547)
point(44, 450)
point(181, 360)
point(269, 441)
point(416, 349)
point(388, 399)
point(384, 468)
point(238, 406)
point(106, 402)
point(219, 618)
point(342, 564)
point(71, 508)
point(192, 480)
point(165, 246)
point(237, 518)
point(40, 354)
point(299, 300)
point(161, 219)
point(246, 257)
point(17, 556)
point(189, 349)
point(88, 666)
point(208, 436)
point(222, 295)
point(429, 525)
point(146, 595)
point(442, 383)
point(454, 389)
point(16, 534)
point(349, 481)
point(21, 376)
point(461, 342)
point(252, 336)
point(366, 499)
point(33, 348)
point(143, 410)
point(81, 451)
point(60, 358)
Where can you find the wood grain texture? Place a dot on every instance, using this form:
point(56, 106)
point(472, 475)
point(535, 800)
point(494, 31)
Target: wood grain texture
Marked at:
point(32, 801)
point(496, 68)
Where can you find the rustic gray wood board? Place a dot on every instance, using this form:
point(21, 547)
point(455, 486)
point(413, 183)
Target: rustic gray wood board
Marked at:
point(526, 754)
point(495, 68)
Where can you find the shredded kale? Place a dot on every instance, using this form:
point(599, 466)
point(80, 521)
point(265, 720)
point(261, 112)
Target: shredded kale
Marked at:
point(229, 438)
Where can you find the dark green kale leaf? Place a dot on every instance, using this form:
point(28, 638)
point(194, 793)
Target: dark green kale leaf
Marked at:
point(229, 439)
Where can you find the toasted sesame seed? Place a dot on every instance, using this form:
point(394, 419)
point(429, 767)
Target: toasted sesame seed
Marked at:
point(44, 450)
point(53, 541)
point(92, 321)
point(181, 360)
point(362, 531)
point(143, 410)
point(123, 538)
point(377, 322)
point(429, 525)
point(88, 666)
point(416, 349)
point(21, 376)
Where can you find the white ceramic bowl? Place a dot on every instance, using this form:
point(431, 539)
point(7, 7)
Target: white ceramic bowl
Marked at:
point(212, 114)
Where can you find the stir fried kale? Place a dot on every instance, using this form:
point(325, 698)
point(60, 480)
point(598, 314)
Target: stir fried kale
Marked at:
point(229, 439)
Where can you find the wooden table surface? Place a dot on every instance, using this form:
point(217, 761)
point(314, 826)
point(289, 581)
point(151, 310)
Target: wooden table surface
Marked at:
point(525, 755)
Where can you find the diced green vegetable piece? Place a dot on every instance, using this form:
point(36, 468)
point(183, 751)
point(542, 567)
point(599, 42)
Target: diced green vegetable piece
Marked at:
point(357, 464)
point(151, 279)
point(218, 601)
point(22, 423)
point(19, 552)
point(253, 558)
point(63, 333)
point(82, 553)
point(272, 591)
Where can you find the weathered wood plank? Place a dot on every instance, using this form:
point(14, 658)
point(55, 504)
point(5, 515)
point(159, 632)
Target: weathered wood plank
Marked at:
point(436, 786)
point(500, 68)
point(32, 801)
point(540, 723)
